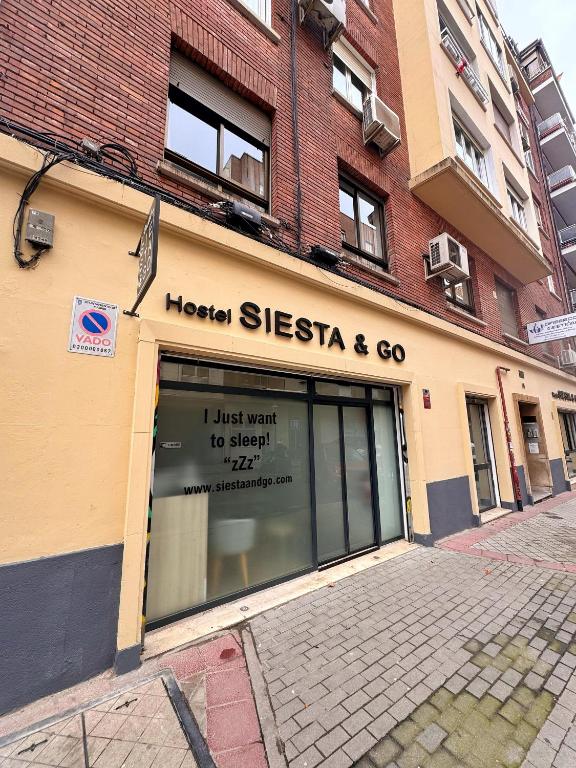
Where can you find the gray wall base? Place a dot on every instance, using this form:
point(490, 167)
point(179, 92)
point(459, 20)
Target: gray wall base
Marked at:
point(508, 505)
point(527, 499)
point(558, 477)
point(128, 659)
point(450, 507)
point(424, 539)
point(59, 622)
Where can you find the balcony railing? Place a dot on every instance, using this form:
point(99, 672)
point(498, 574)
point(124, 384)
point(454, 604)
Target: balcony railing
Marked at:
point(572, 293)
point(555, 123)
point(464, 67)
point(536, 68)
point(561, 178)
point(568, 236)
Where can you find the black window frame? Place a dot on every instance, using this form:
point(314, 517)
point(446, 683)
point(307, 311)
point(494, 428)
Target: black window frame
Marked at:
point(451, 298)
point(353, 188)
point(198, 110)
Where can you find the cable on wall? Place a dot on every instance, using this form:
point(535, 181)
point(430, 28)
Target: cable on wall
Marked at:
point(50, 160)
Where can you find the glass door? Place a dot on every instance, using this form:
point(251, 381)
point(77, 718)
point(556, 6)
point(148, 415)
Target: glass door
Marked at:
point(568, 428)
point(344, 503)
point(481, 445)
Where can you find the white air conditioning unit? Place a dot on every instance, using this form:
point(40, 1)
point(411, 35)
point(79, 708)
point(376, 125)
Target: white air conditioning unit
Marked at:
point(448, 258)
point(380, 124)
point(330, 15)
point(567, 358)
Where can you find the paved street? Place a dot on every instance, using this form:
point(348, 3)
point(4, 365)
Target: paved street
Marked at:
point(461, 656)
point(435, 659)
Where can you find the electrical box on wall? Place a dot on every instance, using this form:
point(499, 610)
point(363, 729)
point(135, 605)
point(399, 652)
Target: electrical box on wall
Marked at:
point(40, 228)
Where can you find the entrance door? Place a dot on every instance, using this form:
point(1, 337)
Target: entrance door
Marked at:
point(536, 451)
point(482, 454)
point(344, 504)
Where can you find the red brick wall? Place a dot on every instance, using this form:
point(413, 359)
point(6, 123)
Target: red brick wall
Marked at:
point(99, 68)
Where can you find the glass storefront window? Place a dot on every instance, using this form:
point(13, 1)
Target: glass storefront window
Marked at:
point(234, 499)
point(335, 389)
point(226, 377)
point(231, 505)
point(388, 473)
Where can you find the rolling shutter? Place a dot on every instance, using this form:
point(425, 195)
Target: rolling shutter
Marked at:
point(353, 62)
point(213, 94)
point(507, 308)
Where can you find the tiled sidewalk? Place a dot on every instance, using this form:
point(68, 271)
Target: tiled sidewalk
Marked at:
point(131, 724)
point(543, 536)
point(436, 659)
point(138, 729)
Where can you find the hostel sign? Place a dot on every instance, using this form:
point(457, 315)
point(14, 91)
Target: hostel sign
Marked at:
point(552, 329)
point(147, 253)
point(252, 317)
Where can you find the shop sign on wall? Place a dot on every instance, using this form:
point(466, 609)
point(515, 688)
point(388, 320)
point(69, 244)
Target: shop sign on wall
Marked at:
point(552, 329)
point(560, 395)
point(93, 327)
point(279, 323)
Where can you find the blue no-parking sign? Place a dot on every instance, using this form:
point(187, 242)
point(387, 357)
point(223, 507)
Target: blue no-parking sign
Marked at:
point(93, 327)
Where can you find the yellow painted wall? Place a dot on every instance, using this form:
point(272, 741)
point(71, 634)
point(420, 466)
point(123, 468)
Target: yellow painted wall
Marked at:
point(77, 429)
point(428, 81)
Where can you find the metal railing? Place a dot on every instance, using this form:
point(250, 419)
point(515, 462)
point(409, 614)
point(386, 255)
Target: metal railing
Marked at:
point(561, 178)
point(555, 123)
point(467, 73)
point(568, 236)
point(536, 68)
point(572, 295)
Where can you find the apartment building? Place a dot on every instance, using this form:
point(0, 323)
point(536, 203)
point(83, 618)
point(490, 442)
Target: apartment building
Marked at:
point(331, 354)
point(557, 147)
point(550, 157)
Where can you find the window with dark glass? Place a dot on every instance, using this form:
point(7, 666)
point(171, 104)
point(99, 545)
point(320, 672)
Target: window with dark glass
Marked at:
point(568, 429)
point(507, 306)
point(460, 294)
point(361, 226)
point(216, 149)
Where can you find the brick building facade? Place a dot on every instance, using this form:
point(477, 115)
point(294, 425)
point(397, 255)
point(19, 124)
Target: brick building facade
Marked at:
point(102, 71)
point(272, 408)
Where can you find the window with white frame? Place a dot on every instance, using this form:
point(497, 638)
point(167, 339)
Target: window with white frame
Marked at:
point(469, 151)
point(551, 285)
point(538, 212)
point(516, 207)
point(352, 79)
point(529, 157)
point(260, 8)
point(490, 43)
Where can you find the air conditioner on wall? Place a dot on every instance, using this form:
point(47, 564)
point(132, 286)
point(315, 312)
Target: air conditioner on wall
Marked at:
point(380, 125)
point(330, 15)
point(567, 358)
point(448, 258)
